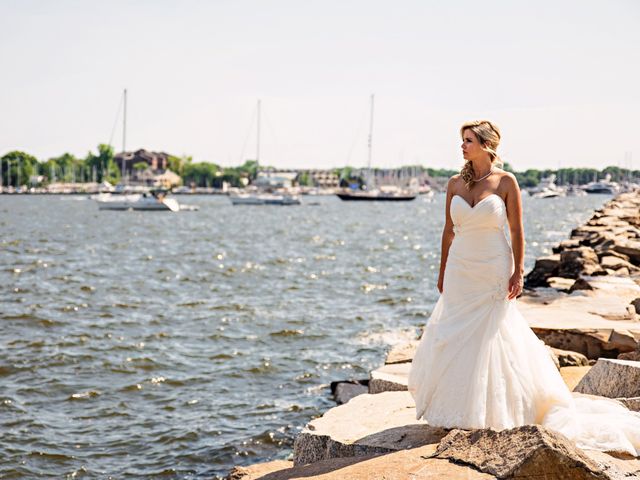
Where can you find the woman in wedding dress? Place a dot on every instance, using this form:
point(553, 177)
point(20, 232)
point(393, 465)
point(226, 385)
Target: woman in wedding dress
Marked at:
point(478, 364)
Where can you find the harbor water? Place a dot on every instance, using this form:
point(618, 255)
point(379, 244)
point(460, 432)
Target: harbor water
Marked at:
point(176, 345)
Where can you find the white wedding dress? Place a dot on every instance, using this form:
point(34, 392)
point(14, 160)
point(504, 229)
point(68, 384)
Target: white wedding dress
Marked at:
point(479, 365)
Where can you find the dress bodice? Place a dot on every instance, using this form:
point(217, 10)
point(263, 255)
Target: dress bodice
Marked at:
point(490, 213)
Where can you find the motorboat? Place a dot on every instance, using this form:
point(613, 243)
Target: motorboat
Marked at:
point(546, 188)
point(264, 198)
point(604, 186)
point(139, 201)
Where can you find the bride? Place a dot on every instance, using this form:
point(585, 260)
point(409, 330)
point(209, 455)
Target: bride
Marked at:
point(478, 364)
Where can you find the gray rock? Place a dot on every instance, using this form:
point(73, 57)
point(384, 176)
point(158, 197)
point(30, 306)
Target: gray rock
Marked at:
point(530, 451)
point(390, 378)
point(345, 391)
point(612, 378)
point(631, 403)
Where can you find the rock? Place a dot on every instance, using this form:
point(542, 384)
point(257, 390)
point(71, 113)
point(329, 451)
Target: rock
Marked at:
point(530, 451)
point(634, 355)
point(631, 403)
point(579, 261)
point(346, 390)
point(592, 343)
point(413, 464)
point(580, 284)
point(566, 245)
point(567, 358)
point(258, 470)
point(366, 425)
point(636, 304)
point(622, 272)
point(614, 263)
point(402, 353)
point(631, 248)
point(560, 283)
point(544, 268)
point(389, 378)
point(612, 378)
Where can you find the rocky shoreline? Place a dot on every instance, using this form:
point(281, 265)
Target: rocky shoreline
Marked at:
point(583, 302)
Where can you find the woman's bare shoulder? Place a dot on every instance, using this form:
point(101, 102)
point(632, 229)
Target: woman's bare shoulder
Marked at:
point(454, 181)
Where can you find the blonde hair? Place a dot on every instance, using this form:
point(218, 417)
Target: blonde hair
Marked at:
point(488, 135)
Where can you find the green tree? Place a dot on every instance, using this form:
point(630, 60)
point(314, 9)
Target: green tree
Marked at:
point(18, 167)
point(140, 166)
point(104, 164)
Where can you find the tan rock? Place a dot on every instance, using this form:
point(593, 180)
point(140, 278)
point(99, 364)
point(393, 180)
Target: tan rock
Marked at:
point(612, 378)
point(412, 464)
point(568, 358)
point(631, 403)
point(389, 378)
point(366, 425)
point(258, 470)
point(544, 268)
point(631, 248)
point(573, 375)
point(614, 263)
point(401, 353)
point(561, 283)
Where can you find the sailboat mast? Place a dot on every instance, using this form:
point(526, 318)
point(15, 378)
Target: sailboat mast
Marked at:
point(258, 139)
point(124, 134)
point(370, 133)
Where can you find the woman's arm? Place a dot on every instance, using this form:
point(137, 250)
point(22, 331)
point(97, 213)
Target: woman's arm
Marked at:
point(516, 228)
point(447, 234)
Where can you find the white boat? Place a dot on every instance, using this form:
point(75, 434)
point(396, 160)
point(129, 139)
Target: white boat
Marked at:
point(605, 186)
point(264, 199)
point(138, 201)
point(575, 191)
point(546, 188)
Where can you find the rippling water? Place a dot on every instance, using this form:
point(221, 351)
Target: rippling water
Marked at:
point(151, 344)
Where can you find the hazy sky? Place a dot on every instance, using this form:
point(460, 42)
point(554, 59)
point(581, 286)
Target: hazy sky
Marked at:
point(560, 77)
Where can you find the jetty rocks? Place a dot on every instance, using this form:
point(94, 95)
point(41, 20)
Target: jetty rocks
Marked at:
point(582, 302)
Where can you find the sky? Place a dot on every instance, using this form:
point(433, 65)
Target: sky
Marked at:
point(560, 78)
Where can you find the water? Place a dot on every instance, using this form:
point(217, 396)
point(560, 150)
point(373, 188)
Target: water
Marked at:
point(159, 345)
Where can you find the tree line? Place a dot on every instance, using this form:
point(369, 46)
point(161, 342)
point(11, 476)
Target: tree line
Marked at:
point(19, 168)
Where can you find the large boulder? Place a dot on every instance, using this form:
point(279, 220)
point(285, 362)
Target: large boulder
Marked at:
point(402, 352)
point(366, 425)
point(258, 470)
point(530, 451)
point(579, 261)
point(631, 248)
point(568, 358)
point(544, 268)
point(612, 378)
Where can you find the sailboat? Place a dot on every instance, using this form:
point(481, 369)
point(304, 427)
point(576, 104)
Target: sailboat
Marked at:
point(372, 193)
point(262, 197)
point(153, 200)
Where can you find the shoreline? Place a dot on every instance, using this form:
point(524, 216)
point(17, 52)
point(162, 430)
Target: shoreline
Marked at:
point(592, 278)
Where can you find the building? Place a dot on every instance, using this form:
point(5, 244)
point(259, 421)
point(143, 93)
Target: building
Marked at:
point(157, 162)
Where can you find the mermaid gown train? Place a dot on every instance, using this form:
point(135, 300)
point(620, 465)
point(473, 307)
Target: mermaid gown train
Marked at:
point(479, 365)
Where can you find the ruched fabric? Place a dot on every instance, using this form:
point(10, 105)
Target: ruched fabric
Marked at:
point(478, 363)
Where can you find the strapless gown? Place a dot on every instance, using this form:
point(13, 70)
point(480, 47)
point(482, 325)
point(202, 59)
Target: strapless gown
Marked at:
point(479, 365)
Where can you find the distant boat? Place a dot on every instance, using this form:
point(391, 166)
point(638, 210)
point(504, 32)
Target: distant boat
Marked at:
point(258, 197)
point(263, 199)
point(144, 201)
point(375, 194)
point(546, 188)
point(605, 186)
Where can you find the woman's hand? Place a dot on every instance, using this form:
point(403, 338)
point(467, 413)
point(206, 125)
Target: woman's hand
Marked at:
point(516, 283)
